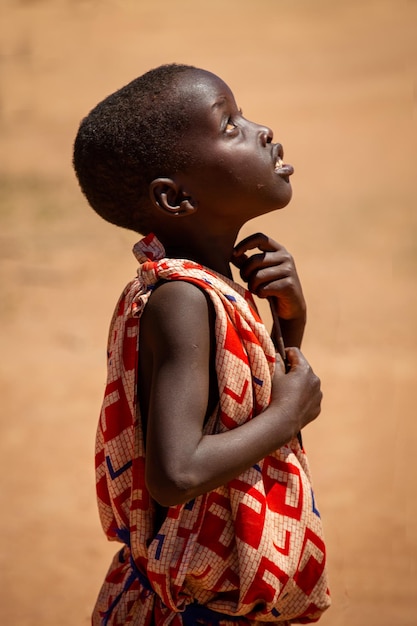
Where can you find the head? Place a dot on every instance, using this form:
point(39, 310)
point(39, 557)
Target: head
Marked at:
point(129, 139)
point(173, 143)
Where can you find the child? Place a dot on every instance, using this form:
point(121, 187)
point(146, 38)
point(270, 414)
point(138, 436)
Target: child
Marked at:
point(200, 473)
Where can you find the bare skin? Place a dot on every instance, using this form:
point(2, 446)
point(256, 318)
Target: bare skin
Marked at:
point(198, 214)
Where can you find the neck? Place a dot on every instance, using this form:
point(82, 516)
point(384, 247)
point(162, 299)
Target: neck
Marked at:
point(213, 252)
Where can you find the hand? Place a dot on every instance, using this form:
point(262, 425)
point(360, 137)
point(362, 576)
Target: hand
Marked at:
point(271, 274)
point(298, 390)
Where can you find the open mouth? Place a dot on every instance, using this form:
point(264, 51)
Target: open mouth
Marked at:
point(278, 164)
point(283, 169)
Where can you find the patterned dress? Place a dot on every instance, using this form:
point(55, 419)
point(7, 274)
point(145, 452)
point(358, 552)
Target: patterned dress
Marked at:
point(249, 552)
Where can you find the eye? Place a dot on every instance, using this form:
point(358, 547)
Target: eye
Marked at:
point(230, 126)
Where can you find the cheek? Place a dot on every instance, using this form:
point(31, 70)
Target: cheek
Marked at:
point(228, 175)
point(271, 189)
point(244, 174)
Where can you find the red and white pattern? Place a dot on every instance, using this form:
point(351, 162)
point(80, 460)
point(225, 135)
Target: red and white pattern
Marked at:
point(251, 551)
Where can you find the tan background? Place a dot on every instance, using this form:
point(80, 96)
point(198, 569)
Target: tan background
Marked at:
point(334, 79)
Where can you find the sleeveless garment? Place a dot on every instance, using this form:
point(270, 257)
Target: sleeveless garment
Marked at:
point(249, 552)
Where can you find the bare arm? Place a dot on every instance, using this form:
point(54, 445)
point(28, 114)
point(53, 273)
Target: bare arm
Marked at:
point(181, 462)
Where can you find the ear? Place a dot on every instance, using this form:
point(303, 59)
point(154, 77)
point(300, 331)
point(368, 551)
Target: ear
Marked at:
point(167, 196)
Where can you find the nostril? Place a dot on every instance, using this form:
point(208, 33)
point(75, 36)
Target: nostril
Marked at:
point(267, 135)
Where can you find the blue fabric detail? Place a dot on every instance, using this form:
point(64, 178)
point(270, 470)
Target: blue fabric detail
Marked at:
point(258, 381)
point(124, 535)
point(189, 506)
point(257, 468)
point(115, 473)
point(160, 538)
point(230, 297)
point(140, 575)
point(107, 615)
point(316, 511)
point(275, 613)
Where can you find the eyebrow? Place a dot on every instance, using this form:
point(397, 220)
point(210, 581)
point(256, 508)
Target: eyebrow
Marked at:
point(219, 102)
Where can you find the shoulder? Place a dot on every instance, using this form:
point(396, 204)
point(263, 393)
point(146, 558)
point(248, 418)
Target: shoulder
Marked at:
point(178, 312)
point(176, 300)
point(181, 292)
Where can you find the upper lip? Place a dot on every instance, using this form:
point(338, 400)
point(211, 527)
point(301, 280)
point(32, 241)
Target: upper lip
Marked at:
point(277, 153)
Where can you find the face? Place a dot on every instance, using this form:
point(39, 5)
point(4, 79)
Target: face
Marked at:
point(237, 170)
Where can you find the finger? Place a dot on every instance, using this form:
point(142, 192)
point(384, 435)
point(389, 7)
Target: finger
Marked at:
point(269, 281)
point(248, 264)
point(279, 262)
point(294, 357)
point(279, 364)
point(258, 240)
point(264, 267)
point(239, 260)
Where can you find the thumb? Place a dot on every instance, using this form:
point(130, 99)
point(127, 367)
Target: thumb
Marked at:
point(294, 357)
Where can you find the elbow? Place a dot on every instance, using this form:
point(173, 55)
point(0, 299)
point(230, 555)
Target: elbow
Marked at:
point(170, 490)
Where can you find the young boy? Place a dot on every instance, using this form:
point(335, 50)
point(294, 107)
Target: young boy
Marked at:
point(200, 472)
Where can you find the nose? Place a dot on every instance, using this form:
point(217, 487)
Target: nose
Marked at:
point(266, 135)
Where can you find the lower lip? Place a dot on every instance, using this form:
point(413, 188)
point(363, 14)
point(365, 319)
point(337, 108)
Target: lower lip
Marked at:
point(285, 170)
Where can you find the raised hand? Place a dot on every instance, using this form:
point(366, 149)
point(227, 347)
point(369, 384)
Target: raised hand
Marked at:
point(271, 273)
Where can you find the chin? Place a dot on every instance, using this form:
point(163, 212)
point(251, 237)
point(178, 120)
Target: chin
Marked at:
point(286, 200)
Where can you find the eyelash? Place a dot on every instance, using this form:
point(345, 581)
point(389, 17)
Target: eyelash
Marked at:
point(231, 125)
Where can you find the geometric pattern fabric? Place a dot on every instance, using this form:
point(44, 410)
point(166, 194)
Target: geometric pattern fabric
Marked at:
point(249, 552)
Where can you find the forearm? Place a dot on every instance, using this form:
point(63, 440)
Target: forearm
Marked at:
point(183, 464)
point(219, 458)
point(287, 331)
point(292, 331)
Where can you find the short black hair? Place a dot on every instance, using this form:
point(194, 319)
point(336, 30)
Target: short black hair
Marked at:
point(128, 140)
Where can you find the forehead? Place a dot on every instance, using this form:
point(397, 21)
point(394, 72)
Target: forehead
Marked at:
point(203, 88)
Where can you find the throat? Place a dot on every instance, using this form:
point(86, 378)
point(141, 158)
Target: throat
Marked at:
point(213, 258)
